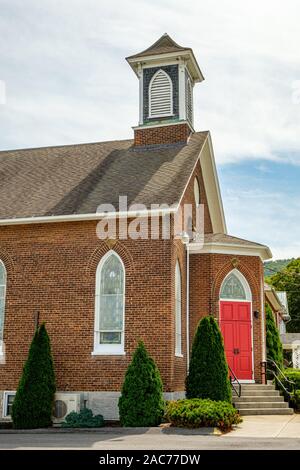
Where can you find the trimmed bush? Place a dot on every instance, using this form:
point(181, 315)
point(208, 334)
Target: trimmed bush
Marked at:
point(295, 400)
point(196, 413)
point(83, 419)
point(208, 372)
point(141, 402)
point(294, 375)
point(274, 346)
point(33, 403)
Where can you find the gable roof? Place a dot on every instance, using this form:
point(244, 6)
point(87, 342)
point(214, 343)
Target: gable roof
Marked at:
point(76, 179)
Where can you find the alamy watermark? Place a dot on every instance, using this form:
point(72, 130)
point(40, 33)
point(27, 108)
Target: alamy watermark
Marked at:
point(139, 222)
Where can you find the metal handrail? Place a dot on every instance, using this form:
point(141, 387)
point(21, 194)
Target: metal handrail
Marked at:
point(288, 392)
point(235, 380)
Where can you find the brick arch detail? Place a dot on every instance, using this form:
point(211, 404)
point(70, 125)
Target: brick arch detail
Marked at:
point(8, 263)
point(104, 248)
point(220, 276)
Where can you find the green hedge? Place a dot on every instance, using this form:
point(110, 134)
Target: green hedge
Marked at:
point(295, 401)
point(196, 413)
point(294, 375)
point(83, 419)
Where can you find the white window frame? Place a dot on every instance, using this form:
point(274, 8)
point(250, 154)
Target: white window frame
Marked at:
point(107, 349)
point(6, 394)
point(244, 283)
point(178, 314)
point(197, 194)
point(5, 287)
point(150, 99)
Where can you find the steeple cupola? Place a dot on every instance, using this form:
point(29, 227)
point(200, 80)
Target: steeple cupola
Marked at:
point(167, 74)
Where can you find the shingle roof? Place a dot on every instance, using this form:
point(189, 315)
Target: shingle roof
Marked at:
point(76, 179)
point(229, 240)
point(163, 45)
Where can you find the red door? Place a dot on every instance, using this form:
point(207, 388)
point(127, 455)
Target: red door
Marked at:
point(235, 323)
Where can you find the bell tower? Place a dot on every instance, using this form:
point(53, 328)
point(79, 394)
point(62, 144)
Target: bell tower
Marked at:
point(167, 74)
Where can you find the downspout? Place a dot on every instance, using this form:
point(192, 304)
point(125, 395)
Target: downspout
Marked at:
point(263, 333)
point(187, 307)
point(186, 240)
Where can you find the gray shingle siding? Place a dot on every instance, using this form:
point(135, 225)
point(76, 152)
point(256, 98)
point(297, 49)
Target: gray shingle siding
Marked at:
point(172, 71)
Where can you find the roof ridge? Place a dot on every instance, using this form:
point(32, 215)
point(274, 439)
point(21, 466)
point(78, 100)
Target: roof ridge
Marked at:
point(22, 149)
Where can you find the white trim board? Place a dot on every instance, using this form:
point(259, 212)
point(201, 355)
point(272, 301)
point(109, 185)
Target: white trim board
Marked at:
point(229, 249)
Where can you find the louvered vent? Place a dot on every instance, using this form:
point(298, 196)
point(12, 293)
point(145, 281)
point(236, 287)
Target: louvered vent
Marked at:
point(189, 101)
point(160, 95)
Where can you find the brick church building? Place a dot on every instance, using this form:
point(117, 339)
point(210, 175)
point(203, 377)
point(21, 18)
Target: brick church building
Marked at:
point(99, 296)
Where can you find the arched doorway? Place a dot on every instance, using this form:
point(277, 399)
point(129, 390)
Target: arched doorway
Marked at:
point(236, 324)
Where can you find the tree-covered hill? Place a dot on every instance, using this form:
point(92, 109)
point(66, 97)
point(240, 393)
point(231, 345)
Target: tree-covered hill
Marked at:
point(272, 267)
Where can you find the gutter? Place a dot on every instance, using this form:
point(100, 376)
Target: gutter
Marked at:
point(93, 216)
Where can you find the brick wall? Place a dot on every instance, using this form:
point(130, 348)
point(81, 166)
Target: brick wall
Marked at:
point(174, 133)
point(51, 269)
point(179, 253)
point(207, 274)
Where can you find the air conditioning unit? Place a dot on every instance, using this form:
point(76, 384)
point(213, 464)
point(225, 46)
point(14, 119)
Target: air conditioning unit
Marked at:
point(64, 403)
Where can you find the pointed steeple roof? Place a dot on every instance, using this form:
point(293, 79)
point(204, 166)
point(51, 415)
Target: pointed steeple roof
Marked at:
point(163, 45)
point(166, 48)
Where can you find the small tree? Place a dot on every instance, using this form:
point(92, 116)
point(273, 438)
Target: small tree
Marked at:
point(274, 346)
point(208, 372)
point(141, 402)
point(33, 403)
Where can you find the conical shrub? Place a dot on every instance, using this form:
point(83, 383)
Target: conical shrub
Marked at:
point(208, 371)
point(141, 402)
point(274, 345)
point(33, 403)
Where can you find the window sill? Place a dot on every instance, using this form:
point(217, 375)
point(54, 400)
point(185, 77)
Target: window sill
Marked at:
point(157, 116)
point(178, 355)
point(108, 353)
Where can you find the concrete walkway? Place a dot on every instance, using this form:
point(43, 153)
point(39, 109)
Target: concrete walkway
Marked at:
point(268, 426)
point(256, 432)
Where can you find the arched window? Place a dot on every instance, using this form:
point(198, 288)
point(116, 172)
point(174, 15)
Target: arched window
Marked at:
point(178, 308)
point(235, 287)
point(2, 302)
point(110, 305)
point(189, 100)
point(196, 192)
point(160, 95)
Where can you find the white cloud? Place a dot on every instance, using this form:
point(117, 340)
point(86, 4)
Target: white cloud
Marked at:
point(67, 81)
point(72, 51)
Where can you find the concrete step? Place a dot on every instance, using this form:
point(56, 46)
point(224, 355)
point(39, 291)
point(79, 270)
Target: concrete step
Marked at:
point(266, 411)
point(263, 404)
point(257, 387)
point(257, 393)
point(258, 398)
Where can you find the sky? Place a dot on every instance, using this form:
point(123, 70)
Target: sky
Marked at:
point(64, 80)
